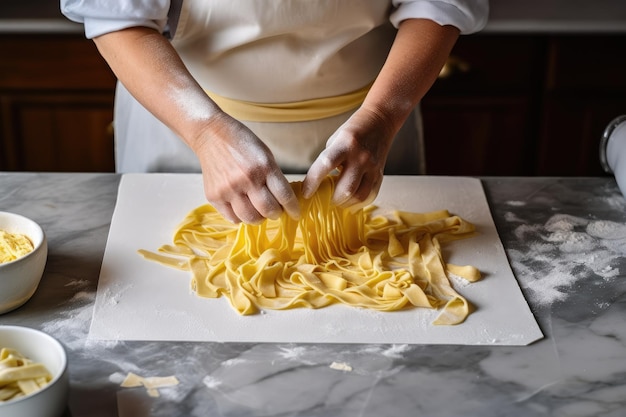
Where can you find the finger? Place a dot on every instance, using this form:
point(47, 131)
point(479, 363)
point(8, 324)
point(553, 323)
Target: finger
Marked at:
point(227, 212)
point(245, 210)
point(347, 185)
point(366, 193)
point(320, 168)
point(281, 190)
point(265, 203)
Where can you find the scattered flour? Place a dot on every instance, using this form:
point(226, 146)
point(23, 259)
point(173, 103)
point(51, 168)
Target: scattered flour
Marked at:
point(117, 378)
point(234, 361)
point(341, 366)
point(83, 296)
point(564, 250)
point(211, 382)
point(457, 281)
point(607, 230)
point(396, 351)
point(511, 217)
point(294, 353)
point(73, 324)
point(80, 283)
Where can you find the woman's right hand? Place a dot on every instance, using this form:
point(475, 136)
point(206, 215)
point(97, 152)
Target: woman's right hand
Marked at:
point(241, 177)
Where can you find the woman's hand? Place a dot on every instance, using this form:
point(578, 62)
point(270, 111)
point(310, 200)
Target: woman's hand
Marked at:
point(241, 178)
point(358, 149)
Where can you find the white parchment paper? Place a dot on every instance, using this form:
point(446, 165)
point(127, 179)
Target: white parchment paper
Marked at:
point(142, 300)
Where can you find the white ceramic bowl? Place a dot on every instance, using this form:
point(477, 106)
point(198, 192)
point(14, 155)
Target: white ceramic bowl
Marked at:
point(51, 400)
point(20, 278)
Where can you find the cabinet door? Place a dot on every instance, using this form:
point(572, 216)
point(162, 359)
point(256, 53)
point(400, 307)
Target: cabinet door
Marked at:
point(571, 133)
point(477, 136)
point(585, 90)
point(56, 104)
point(69, 132)
point(479, 116)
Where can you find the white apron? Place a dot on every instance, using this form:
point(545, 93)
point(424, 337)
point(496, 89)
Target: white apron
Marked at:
point(271, 52)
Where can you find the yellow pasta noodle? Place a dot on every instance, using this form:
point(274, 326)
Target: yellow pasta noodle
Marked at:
point(331, 255)
point(19, 375)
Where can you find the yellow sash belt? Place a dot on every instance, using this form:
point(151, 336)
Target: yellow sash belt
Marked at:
point(296, 111)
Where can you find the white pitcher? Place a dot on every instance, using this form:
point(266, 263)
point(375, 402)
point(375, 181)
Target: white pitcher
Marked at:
point(613, 151)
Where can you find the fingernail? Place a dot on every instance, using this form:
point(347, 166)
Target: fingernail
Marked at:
point(345, 198)
point(295, 215)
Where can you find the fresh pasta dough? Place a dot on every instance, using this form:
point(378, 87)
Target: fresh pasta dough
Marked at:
point(330, 255)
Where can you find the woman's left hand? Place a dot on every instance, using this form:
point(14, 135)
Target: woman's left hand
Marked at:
point(358, 150)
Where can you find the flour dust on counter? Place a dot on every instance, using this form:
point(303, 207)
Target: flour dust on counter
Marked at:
point(558, 254)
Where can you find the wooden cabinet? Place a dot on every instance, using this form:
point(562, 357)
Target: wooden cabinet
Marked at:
point(478, 118)
point(510, 104)
point(524, 105)
point(56, 105)
point(585, 89)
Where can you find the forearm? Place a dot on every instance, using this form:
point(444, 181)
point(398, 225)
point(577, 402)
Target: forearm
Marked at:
point(149, 67)
point(418, 53)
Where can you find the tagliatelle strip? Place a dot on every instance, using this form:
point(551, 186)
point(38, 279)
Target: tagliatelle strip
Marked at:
point(331, 255)
point(20, 376)
point(152, 384)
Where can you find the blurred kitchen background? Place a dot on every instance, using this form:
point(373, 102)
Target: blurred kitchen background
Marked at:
point(528, 96)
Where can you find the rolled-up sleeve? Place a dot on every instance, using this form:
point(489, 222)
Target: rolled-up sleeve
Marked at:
point(469, 16)
point(103, 16)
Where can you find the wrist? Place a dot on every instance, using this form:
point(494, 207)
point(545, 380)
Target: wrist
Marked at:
point(205, 130)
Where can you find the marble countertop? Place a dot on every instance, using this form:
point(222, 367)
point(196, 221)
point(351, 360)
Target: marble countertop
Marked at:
point(566, 241)
point(506, 16)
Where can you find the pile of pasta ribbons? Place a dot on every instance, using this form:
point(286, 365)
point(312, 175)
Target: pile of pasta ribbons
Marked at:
point(19, 375)
point(330, 255)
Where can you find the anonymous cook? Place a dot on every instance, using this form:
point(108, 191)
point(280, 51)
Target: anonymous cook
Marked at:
point(244, 91)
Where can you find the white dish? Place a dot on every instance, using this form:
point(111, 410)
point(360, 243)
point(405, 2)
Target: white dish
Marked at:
point(50, 401)
point(20, 278)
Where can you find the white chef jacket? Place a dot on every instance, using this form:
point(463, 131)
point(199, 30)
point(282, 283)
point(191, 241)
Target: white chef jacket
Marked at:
point(267, 52)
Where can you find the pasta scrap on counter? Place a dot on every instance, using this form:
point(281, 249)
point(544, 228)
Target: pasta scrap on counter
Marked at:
point(20, 376)
point(331, 255)
point(152, 383)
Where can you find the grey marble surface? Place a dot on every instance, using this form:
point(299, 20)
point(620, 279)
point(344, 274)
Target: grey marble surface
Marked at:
point(565, 238)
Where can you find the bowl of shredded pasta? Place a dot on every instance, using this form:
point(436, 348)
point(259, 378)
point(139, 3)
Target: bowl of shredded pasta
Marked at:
point(33, 373)
point(23, 256)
